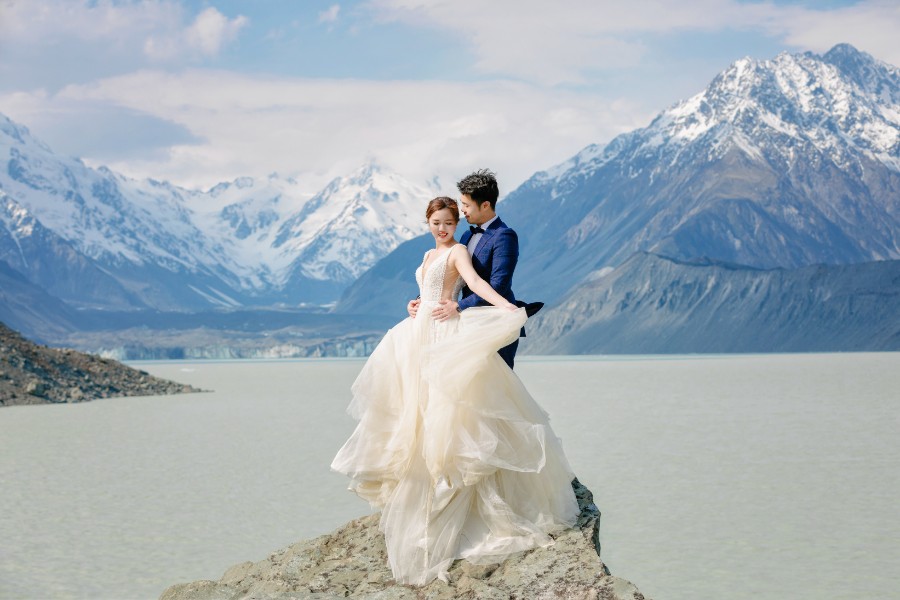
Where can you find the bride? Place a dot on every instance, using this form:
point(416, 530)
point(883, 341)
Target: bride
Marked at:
point(450, 446)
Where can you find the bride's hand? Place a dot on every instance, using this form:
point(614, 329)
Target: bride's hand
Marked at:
point(510, 307)
point(413, 307)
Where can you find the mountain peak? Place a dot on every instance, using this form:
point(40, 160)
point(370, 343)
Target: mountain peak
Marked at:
point(373, 175)
point(875, 77)
point(779, 162)
point(19, 133)
point(843, 103)
point(846, 52)
point(367, 170)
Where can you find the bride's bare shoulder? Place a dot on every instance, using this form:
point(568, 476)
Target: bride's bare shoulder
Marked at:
point(459, 253)
point(458, 250)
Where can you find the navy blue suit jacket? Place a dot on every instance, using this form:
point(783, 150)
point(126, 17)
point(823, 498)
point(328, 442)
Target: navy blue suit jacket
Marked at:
point(494, 260)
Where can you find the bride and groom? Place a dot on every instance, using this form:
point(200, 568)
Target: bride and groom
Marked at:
point(450, 445)
point(493, 248)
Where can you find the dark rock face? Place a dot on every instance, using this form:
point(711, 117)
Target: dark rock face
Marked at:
point(653, 304)
point(32, 374)
point(351, 562)
point(28, 308)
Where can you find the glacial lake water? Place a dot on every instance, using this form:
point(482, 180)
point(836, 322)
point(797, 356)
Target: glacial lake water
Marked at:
point(739, 477)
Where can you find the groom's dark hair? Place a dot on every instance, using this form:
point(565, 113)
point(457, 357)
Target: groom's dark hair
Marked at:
point(480, 186)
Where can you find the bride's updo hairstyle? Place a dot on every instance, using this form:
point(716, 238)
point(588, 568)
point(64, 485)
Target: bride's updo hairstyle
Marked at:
point(440, 203)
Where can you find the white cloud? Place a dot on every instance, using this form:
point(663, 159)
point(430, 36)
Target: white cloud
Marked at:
point(565, 42)
point(552, 43)
point(206, 36)
point(211, 126)
point(330, 15)
point(242, 125)
point(211, 30)
point(869, 26)
point(104, 37)
point(30, 22)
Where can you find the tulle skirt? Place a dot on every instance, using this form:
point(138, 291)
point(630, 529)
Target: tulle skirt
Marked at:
point(451, 447)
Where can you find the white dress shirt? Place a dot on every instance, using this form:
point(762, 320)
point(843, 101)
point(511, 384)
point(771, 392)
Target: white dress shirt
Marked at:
point(476, 237)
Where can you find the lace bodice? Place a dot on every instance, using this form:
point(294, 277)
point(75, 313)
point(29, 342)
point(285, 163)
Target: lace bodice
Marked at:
point(431, 282)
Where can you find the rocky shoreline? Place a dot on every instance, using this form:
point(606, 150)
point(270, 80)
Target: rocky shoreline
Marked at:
point(351, 562)
point(35, 374)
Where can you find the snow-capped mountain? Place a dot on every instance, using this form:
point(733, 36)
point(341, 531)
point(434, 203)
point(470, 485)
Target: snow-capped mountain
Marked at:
point(274, 231)
point(111, 218)
point(150, 243)
point(784, 162)
point(351, 224)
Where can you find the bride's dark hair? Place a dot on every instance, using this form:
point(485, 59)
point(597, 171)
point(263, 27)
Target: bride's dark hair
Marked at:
point(440, 203)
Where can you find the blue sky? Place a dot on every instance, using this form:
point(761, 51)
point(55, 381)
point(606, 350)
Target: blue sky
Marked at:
point(202, 92)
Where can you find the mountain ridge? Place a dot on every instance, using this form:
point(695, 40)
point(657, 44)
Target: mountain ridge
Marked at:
point(787, 162)
point(654, 304)
point(725, 173)
point(782, 163)
point(245, 242)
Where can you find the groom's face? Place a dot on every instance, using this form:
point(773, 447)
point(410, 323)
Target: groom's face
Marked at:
point(475, 214)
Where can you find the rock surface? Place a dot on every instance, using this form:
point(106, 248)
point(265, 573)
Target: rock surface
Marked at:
point(33, 374)
point(351, 562)
point(655, 304)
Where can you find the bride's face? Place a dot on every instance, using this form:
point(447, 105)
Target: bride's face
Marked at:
point(442, 224)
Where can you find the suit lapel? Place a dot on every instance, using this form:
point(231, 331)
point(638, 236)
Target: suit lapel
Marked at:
point(488, 233)
point(481, 243)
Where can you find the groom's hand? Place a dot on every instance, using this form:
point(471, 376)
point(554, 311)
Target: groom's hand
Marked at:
point(447, 309)
point(413, 307)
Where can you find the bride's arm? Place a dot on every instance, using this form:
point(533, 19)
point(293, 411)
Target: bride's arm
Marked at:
point(462, 262)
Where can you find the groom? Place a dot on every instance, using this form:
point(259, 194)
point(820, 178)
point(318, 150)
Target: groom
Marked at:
point(493, 246)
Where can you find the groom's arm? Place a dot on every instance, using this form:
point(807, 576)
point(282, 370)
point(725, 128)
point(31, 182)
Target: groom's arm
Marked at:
point(503, 263)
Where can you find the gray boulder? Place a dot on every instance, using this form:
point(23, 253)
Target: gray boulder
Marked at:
point(351, 562)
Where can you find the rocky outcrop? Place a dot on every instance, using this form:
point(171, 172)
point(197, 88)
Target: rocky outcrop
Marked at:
point(655, 304)
point(33, 374)
point(351, 562)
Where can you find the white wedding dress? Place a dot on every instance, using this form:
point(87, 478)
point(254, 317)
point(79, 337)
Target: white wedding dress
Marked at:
point(450, 446)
